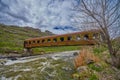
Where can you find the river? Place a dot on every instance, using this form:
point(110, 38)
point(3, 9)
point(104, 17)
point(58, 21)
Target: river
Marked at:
point(57, 66)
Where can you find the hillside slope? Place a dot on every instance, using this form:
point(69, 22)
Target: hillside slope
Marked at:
point(12, 37)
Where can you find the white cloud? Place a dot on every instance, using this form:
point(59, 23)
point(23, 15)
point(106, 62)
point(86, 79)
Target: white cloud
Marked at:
point(43, 14)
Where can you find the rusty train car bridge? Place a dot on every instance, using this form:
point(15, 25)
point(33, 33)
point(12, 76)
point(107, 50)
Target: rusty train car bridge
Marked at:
point(78, 38)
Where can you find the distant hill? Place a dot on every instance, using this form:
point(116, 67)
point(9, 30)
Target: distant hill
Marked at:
point(12, 37)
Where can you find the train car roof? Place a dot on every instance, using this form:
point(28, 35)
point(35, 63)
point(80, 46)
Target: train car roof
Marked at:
point(53, 36)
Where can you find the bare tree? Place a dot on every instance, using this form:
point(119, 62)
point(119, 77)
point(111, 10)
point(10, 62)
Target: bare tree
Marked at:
point(106, 16)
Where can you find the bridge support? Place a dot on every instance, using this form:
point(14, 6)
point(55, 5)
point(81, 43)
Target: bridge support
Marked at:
point(28, 51)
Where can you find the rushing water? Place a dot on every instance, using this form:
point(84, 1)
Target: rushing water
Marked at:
point(42, 67)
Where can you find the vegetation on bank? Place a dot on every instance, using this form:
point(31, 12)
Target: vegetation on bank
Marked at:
point(95, 64)
point(55, 49)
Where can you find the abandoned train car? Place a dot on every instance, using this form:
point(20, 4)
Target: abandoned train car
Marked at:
point(77, 38)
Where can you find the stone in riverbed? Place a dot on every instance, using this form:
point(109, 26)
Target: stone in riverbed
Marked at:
point(2, 62)
point(75, 53)
point(66, 68)
point(82, 69)
point(89, 61)
point(12, 58)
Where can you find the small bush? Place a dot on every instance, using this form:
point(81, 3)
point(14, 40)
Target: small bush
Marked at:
point(96, 68)
point(83, 57)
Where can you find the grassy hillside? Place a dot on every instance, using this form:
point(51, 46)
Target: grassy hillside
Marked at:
point(12, 37)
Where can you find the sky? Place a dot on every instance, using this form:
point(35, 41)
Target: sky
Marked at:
point(53, 15)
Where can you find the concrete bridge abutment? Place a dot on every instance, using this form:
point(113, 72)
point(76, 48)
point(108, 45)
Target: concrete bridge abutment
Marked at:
point(28, 51)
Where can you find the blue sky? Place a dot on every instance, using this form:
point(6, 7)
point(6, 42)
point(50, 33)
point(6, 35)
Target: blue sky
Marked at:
point(53, 15)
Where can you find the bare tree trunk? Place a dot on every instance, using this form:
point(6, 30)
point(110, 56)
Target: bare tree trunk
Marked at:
point(115, 58)
point(115, 61)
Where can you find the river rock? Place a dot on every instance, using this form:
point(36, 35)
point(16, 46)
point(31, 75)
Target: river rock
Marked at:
point(82, 69)
point(89, 61)
point(12, 58)
point(75, 53)
point(2, 62)
point(66, 68)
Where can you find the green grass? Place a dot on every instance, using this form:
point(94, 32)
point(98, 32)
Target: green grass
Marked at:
point(93, 67)
point(93, 77)
point(55, 49)
point(99, 49)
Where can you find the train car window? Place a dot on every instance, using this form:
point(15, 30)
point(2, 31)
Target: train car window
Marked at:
point(43, 41)
point(86, 37)
point(48, 40)
point(33, 41)
point(29, 42)
point(62, 39)
point(95, 36)
point(77, 38)
point(38, 41)
point(54, 40)
point(69, 38)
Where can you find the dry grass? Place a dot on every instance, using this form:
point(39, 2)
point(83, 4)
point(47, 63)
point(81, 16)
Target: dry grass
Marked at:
point(83, 57)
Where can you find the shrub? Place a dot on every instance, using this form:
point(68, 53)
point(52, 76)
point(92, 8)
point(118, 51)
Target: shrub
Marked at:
point(84, 56)
point(96, 68)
